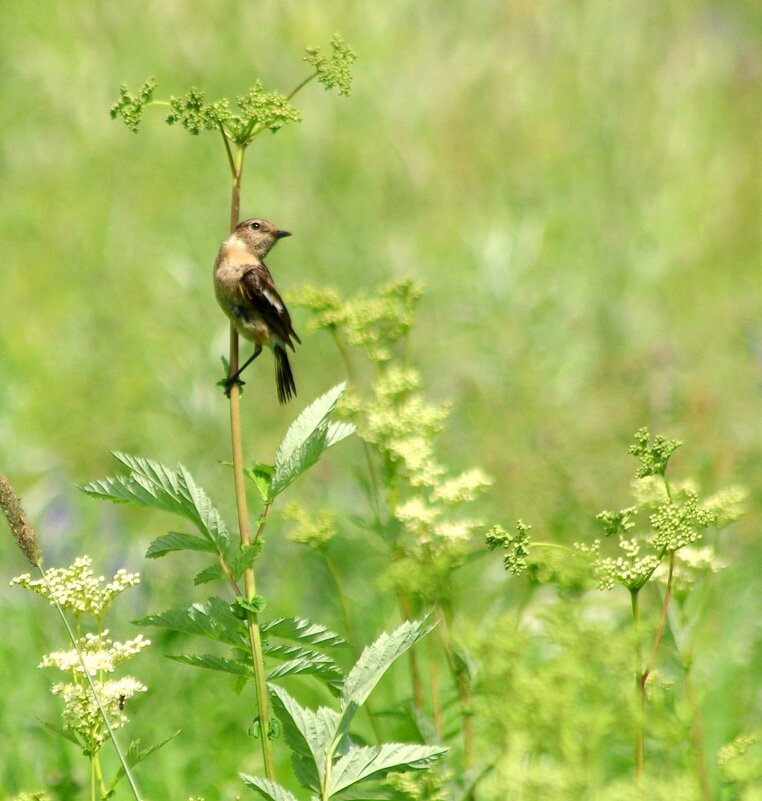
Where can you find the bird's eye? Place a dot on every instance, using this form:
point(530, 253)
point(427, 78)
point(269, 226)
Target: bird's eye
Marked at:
point(255, 226)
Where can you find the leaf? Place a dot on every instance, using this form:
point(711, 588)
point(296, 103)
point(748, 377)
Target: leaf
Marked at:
point(245, 557)
point(66, 734)
point(211, 619)
point(153, 485)
point(361, 763)
point(338, 431)
point(211, 573)
point(306, 439)
point(254, 605)
point(137, 753)
point(177, 541)
point(319, 665)
point(261, 474)
point(270, 790)
point(374, 661)
point(309, 734)
point(213, 662)
point(302, 630)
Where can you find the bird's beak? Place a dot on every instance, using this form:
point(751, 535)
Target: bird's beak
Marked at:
point(281, 234)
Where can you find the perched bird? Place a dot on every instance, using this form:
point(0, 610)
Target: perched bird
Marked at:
point(246, 292)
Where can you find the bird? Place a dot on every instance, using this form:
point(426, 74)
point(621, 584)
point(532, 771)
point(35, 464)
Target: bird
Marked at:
point(246, 291)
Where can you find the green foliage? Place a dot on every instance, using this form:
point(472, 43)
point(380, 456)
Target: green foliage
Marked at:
point(153, 485)
point(216, 620)
point(325, 759)
point(307, 438)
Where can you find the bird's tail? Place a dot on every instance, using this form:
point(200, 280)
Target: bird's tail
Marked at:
point(284, 378)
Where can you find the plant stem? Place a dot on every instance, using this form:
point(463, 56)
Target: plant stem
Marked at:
point(640, 690)
point(120, 754)
point(461, 679)
point(436, 691)
point(250, 589)
point(415, 671)
point(350, 629)
point(697, 735)
point(375, 495)
point(662, 623)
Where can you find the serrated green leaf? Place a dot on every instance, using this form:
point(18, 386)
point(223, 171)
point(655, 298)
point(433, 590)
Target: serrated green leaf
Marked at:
point(302, 630)
point(211, 573)
point(177, 541)
point(261, 474)
point(337, 431)
point(136, 753)
point(309, 734)
point(320, 666)
point(211, 619)
point(244, 559)
point(268, 789)
point(306, 439)
point(60, 731)
point(374, 661)
point(153, 485)
point(363, 762)
point(213, 662)
point(255, 605)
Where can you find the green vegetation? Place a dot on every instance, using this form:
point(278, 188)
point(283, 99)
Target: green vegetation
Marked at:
point(575, 187)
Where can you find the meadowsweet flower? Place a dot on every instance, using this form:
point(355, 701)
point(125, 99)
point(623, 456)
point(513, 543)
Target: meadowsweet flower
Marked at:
point(100, 654)
point(77, 589)
point(314, 529)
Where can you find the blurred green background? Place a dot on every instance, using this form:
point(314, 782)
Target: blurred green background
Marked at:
point(576, 183)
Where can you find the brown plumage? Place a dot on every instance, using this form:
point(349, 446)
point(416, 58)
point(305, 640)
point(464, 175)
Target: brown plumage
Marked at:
point(246, 291)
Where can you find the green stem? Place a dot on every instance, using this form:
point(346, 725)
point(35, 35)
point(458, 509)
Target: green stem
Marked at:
point(112, 736)
point(415, 671)
point(435, 689)
point(350, 629)
point(662, 622)
point(99, 775)
point(461, 680)
point(249, 582)
point(697, 735)
point(375, 483)
point(301, 86)
point(640, 690)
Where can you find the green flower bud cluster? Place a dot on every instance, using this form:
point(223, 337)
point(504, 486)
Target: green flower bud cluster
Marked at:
point(516, 546)
point(334, 70)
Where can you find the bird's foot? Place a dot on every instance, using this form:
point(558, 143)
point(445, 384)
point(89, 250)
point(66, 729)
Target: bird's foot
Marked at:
point(228, 383)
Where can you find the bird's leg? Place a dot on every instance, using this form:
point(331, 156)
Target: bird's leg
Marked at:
point(231, 380)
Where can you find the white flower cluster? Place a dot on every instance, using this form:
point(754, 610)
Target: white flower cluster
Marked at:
point(77, 589)
point(81, 712)
point(100, 654)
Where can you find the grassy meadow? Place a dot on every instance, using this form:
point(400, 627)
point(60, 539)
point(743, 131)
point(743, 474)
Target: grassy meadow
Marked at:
point(577, 186)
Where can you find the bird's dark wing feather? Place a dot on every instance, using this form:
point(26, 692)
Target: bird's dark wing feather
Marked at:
point(258, 288)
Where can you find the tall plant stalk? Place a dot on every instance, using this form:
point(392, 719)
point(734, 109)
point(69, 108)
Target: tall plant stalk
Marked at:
point(235, 159)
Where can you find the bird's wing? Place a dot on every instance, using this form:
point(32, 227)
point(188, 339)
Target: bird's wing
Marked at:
point(258, 287)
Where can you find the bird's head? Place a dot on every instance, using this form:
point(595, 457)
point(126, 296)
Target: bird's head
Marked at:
point(259, 236)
